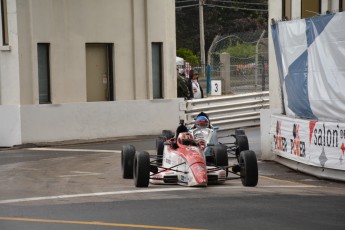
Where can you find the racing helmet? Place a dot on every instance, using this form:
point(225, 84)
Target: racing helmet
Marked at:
point(185, 138)
point(202, 122)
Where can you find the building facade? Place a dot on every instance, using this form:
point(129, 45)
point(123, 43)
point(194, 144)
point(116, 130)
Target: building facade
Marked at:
point(105, 59)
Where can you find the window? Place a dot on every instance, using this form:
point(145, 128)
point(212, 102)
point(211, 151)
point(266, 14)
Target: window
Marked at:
point(43, 73)
point(286, 10)
point(157, 77)
point(4, 23)
point(310, 8)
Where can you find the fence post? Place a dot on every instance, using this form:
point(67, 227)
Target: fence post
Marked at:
point(225, 71)
point(257, 60)
point(208, 79)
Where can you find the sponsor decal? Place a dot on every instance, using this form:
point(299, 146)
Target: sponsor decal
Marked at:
point(297, 146)
point(327, 136)
point(280, 142)
point(192, 148)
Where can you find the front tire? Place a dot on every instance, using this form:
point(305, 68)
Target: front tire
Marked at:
point(127, 158)
point(141, 169)
point(249, 168)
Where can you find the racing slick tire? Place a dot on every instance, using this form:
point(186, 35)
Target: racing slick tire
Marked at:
point(221, 155)
point(141, 169)
point(241, 144)
point(167, 133)
point(239, 132)
point(127, 158)
point(249, 168)
point(160, 148)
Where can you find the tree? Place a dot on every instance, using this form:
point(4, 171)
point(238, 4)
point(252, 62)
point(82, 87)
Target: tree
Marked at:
point(217, 21)
point(188, 55)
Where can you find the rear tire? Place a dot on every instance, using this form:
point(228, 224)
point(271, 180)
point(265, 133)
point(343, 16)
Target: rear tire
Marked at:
point(160, 148)
point(249, 168)
point(127, 158)
point(141, 169)
point(241, 144)
point(239, 132)
point(221, 155)
point(167, 133)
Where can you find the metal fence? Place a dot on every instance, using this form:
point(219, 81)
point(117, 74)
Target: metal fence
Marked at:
point(239, 74)
point(229, 112)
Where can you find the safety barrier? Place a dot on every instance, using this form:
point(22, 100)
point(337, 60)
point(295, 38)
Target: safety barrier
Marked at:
point(229, 112)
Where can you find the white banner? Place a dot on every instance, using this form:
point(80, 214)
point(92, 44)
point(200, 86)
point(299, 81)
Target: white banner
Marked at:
point(311, 62)
point(310, 142)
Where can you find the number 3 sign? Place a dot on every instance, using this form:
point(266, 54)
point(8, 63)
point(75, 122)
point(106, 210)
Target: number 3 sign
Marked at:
point(216, 87)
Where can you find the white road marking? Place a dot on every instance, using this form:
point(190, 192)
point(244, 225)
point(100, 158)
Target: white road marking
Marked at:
point(74, 150)
point(94, 194)
point(84, 174)
point(143, 191)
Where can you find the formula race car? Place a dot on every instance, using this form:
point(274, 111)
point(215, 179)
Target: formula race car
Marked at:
point(192, 157)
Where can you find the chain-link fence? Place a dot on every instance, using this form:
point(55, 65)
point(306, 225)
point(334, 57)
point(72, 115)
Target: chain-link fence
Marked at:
point(240, 61)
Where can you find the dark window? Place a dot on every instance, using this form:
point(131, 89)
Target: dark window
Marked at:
point(4, 23)
point(286, 10)
point(43, 73)
point(157, 78)
point(310, 8)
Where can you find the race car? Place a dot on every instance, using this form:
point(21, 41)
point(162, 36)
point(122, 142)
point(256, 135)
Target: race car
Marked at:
point(192, 157)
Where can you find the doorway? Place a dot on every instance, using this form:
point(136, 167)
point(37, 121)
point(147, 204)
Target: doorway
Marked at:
point(99, 72)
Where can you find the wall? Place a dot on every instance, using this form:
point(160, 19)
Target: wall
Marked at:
point(84, 121)
point(10, 125)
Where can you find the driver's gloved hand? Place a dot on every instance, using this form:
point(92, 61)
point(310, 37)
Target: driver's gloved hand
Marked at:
point(174, 145)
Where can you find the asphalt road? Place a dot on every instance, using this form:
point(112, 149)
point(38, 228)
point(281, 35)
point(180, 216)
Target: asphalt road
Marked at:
point(80, 187)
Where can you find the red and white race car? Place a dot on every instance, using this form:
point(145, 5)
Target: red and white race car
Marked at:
point(193, 158)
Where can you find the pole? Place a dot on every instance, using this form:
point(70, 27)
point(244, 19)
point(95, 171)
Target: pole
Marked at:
point(257, 60)
point(202, 39)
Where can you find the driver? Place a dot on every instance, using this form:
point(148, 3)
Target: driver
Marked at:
point(202, 122)
point(204, 117)
point(186, 138)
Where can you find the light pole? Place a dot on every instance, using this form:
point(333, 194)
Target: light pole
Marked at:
point(202, 38)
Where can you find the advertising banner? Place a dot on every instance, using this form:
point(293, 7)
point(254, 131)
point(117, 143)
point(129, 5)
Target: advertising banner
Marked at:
point(309, 142)
point(310, 55)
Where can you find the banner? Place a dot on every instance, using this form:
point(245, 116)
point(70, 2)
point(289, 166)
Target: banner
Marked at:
point(310, 142)
point(311, 63)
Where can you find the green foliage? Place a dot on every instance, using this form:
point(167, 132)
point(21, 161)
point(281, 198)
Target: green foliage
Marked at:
point(217, 21)
point(188, 55)
point(241, 50)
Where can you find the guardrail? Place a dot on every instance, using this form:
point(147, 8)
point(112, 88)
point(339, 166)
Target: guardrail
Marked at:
point(229, 112)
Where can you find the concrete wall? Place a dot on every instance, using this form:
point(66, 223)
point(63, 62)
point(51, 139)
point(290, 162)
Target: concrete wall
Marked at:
point(59, 122)
point(84, 121)
point(10, 125)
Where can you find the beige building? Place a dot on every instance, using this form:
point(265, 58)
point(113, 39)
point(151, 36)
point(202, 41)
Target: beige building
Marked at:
point(81, 69)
